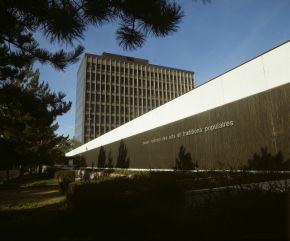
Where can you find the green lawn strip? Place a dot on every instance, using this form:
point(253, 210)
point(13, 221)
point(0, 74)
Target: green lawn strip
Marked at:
point(40, 183)
point(31, 205)
point(29, 180)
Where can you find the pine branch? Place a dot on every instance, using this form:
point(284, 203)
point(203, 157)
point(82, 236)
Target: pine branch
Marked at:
point(59, 59)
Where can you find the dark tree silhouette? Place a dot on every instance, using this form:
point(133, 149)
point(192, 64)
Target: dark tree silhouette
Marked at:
point(28, 110)
point(123, 161)
point(267, 161)
point(66, 21)
point(184, 160)
point(110, 163)
point(102, 158)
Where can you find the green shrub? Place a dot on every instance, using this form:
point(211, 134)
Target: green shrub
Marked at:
point(144, 192)
point(51, 170)
point(64, 178)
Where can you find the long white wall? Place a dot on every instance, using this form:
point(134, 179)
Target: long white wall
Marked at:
point(264, 72)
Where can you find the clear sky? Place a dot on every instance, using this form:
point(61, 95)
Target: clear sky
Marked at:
point(212, 39)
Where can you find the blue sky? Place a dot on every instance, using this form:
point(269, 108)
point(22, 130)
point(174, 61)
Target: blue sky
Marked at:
point(212, 39)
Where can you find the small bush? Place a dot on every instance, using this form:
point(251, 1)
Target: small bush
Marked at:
point(51, 170)
point(64, 179)
point(144, 192)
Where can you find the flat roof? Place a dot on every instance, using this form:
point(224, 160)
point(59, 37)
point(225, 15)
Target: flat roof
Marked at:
point(134, 60)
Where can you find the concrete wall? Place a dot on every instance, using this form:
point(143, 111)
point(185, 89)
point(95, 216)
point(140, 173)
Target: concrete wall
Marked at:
point(224, 137)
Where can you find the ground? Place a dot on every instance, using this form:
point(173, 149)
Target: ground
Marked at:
point(35, 195)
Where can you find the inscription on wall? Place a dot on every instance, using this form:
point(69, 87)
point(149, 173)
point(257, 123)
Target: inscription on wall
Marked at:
point(189, 132)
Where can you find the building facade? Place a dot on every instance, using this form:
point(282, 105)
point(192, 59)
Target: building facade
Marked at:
point(113, 90)
point(241, 115)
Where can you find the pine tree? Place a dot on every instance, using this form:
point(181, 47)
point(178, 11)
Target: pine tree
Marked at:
point(28, 110)
point(184, 160)
point(123, 161)
point(110, 161)
point(102, 158)
point(66, 21)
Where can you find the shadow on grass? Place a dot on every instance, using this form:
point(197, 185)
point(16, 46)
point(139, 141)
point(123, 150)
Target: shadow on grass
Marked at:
point(25, 195)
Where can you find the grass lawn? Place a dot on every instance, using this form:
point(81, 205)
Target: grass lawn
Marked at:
point(29, 192)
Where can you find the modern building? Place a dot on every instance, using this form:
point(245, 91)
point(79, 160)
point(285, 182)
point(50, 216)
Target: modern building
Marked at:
point(113, 90)
point(223, 123)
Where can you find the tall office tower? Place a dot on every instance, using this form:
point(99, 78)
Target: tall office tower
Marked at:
point(114, 89)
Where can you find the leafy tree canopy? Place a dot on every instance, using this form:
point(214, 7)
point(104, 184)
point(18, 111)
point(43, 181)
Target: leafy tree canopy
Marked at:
point(64, 21)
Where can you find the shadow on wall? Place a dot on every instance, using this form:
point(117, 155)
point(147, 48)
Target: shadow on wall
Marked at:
point(184, 160)
point(267, 161)
point(101, 158)
point(122, 160)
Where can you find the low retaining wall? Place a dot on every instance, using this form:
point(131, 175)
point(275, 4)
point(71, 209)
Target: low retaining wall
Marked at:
point(199, 198)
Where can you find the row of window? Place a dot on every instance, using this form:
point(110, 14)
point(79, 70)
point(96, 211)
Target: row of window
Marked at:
point(113, 87)
point(108, 119)
point(116, 98)
point(140, 94)
point(126, 70)
point(116, 109)
point(92, 76)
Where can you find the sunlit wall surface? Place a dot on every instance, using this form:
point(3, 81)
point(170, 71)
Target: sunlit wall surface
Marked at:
point(79, 114)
